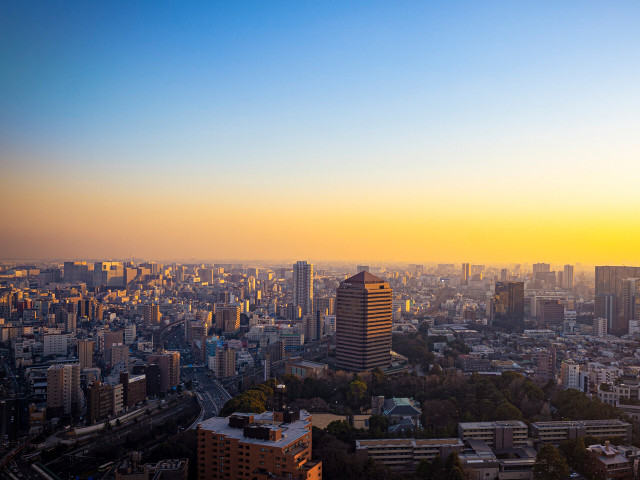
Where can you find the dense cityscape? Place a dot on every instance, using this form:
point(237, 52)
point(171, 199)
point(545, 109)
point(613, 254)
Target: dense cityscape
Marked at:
point(319, 240)
point(109, 368)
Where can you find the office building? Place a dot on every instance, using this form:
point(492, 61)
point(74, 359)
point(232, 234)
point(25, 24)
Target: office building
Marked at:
point(112, 338)
point(466, 272)
point(85, 353)
point(556, 432)
point(508, 305)
point(303, 287)
point(109, 274)
point(567, 277)
point(630, 299)
point(363, 323)
point(64, 395)
point(363, 268)
point(404, 454)
point(273, 444)
point(499, 434)
point(551, 313)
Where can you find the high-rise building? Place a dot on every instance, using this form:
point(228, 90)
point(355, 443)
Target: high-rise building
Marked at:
point(508, 305)
point(606, 306)
point(273, 444)
point(551, 312)
point(323, 305)
point(567, 277)
point(362, 268)
point(228, 317)
point(151, 314)
point(363, 322)
point(99, 401)
point(169, 364)
point(108, 274)
point(64, 395)
point(225, 362)
point(630, 300)
point(303, 286)
point(600, 327)
point(466, 272)
point(85, 353)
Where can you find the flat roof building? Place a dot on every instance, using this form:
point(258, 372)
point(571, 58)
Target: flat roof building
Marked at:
point(498, 434)
point(404, 454)
point(556, 432)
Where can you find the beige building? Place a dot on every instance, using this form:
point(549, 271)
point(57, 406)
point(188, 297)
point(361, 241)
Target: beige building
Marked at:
point(64, 395)
point(405, 453)
point(498, 434)
point(556, 432)
point(85, 353)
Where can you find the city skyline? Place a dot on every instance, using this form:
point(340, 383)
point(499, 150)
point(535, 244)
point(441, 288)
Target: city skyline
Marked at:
point(490, 131)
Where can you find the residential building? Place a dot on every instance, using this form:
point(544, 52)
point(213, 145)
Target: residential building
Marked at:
point(303, 287)
point(169, 364)
point(604, 462)
point(134, 389)
point(273, 444)
point(151, 314)
point(85, 353)
point(55, 344)
point(64, 395)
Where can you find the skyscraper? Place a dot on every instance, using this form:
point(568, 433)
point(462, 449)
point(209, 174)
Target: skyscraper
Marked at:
point(465, 273)
point(630, 299)
point(567, 277)
point(303, 286)
point(609, 286)
point(363, 322)
point(508, 305)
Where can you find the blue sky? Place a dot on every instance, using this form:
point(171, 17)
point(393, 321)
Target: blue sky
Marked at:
point(398, 97)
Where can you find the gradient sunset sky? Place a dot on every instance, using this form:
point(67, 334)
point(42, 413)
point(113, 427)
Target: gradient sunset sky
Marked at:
point(409, 131)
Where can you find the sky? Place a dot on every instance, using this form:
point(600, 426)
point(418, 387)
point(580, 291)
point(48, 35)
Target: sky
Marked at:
point(360, 130)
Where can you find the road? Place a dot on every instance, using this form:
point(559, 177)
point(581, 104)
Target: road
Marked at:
point(211, 394)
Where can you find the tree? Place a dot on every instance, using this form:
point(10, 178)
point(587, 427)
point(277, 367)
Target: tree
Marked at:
point(378, 425)
point(550, 464)
point(507, 411)
point(579, 455)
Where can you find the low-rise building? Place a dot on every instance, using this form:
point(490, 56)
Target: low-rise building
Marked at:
point(603, 462)
point(556, 432)
point(404, 454)
point(498, 434)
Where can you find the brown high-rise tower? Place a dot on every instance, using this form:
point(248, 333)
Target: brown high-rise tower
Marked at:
point(363, 323)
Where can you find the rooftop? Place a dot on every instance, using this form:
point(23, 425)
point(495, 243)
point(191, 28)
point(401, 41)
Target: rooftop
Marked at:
point(364, 277)
point(290, 431)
